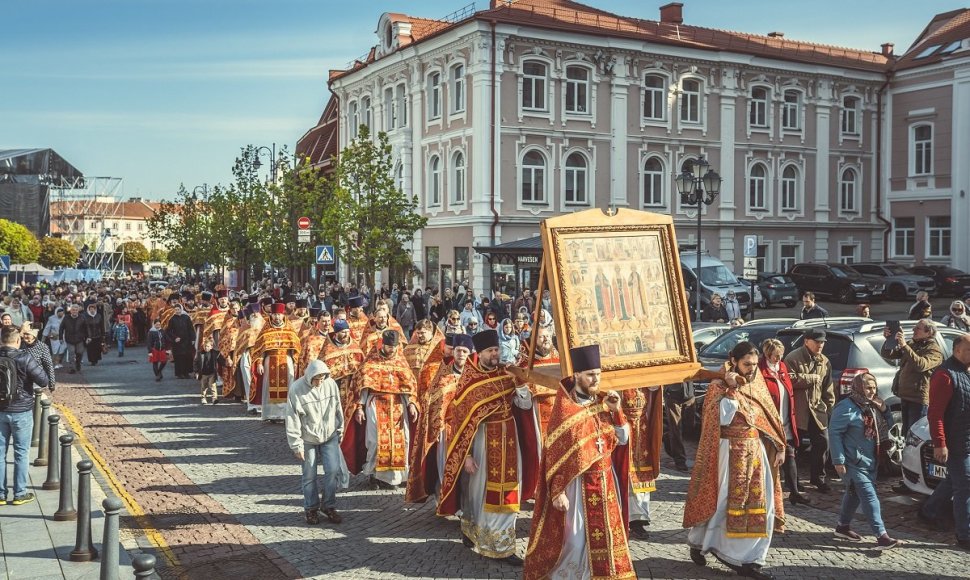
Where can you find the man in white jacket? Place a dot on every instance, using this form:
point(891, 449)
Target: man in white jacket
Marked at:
point(314, 423)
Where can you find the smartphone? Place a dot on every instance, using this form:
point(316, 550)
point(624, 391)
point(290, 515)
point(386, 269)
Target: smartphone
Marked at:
point(893, 326)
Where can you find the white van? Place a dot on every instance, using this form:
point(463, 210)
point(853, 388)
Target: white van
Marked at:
point(714, 277)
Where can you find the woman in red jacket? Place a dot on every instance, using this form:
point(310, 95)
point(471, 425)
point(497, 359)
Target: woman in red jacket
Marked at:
point(778, 379)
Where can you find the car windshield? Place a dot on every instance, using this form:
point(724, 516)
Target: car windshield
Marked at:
point(717, 276)
point(779, 280)
point(842, 271)
point(721, 347)
point(898, 271)
point(947, 271)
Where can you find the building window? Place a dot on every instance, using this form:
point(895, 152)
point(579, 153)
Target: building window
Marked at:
point(848, 253)
point(939, 234)
point(458, 178)
point(390, 109)
point(533, 178)
point(431, 263)
point(791, 118)
point(577, 90)
point(402, 105)
point(653, 179)
point(850, 115)
point(757, 184)
point(140, 226)
point(654, 97)
point(458, 88)
point(690, 101)
point(904, 237)
point(461, 266)
point(534, 86)
point(758, 107)
point(576, 179)
point(354, 120)
point(399, 176)
point(788, 256)
point(762, 259)
point(434, 96)
point(127, 226)
point(789, 189)
point(365, 113)
point(922, 150)
point(114, 227)
point(434, 181)
point(847, 191)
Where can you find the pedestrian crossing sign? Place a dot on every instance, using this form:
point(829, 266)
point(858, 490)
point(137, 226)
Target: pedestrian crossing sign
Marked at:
point(325, 255)
point(5, 264)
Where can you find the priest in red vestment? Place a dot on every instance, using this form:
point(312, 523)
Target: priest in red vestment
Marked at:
point(356, 318)
point(424, 340)
point(643, 409)
point(578, 528)
point(274, 357)
point(546, 354)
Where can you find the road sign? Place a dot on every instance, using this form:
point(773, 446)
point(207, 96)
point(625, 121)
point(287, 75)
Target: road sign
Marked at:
point(303, 236)
point(750, 268)
point(325, 255)
point(5, 264)
point(303, 223)
point(751, 246)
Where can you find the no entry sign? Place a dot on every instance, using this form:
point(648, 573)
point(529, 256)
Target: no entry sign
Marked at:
point(303, 223)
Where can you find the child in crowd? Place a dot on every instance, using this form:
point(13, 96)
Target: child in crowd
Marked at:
point(205, 371)
point(120, 334)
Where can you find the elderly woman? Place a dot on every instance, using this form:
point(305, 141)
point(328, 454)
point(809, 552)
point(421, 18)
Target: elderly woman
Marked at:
point(778, 381)
point(715, 311)
point(957, 317)
point(452, 324)
point(39, 350)
point(859, 423)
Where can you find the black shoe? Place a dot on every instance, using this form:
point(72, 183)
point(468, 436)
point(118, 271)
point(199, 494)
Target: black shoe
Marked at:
point(467, 542)
point(253, 412)
point(638, 529)
point(158, 378)
point(901, 488)
point(755, 571)
point(965, 544)
point(71, 371)
point(374, 484)
point(682, 466)
point(927, 521)
point(821, 485)
point(799, 498)
point(513, 560)
point(734, 567)
point(697, 557)
point(312, 516)
point(333, 516)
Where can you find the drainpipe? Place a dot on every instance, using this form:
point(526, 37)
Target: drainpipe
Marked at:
point(879, 216)
point(491, 138)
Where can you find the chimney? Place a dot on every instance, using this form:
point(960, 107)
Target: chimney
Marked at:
point(887, 49)
point(672, 13)
point(776, 35)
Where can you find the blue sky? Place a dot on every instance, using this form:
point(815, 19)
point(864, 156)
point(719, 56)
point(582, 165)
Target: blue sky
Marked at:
point(161, 92)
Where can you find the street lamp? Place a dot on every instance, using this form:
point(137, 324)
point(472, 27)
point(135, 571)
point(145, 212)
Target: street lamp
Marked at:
point(698, 190)
point(272, 159)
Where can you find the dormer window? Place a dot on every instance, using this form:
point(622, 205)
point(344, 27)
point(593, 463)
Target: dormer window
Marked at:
point(388, 35)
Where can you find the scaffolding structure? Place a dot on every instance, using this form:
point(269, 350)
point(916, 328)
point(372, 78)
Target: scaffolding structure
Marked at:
point(80, 210)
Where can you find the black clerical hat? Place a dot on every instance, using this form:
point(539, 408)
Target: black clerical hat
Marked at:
point(485, 339)
point(585, 358)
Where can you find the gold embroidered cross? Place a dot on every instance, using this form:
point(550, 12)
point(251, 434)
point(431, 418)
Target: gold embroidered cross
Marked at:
point(511, 471)
point(597, 535)
point(594, 499)
point(494, 472)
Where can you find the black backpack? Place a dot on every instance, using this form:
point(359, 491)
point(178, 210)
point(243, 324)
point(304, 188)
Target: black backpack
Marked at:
point(9, 391)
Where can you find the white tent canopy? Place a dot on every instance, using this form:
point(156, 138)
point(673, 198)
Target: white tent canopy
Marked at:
point(31, 268)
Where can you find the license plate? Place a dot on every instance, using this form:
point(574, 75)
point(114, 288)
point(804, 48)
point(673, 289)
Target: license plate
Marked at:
point(937, 471)
point(788, 298)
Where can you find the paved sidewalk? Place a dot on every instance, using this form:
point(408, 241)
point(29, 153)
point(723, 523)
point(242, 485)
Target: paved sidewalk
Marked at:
point(34, 546)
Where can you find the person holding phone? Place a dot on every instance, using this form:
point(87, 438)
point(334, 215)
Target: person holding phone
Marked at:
point(918, 358)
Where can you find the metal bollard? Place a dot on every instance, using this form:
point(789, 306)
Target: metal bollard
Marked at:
point(144, 565)
point(53, 455)
point(45, 412)
point(84, 545)
point(109, 544)
point(65, 508)
point(35, 434)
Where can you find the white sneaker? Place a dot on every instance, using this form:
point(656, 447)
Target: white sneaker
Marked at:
point(58, 367)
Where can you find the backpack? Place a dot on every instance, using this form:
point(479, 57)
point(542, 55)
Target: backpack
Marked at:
point(9, 391)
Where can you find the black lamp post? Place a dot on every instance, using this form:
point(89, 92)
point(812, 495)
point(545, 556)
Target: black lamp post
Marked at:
point(699, 190)
point(271, 151)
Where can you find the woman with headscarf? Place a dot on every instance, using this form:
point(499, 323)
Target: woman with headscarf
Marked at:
point(859, 424)
point(508, 343)
point(957, 317)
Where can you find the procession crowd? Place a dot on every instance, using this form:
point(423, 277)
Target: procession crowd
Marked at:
point(442, 395)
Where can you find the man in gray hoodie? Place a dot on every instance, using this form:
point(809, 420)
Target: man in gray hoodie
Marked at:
point(314, 424)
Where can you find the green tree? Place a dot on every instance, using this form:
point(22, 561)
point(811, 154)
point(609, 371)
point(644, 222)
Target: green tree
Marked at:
point(135, 252)
point(185, 227)
point(158, 255)
point(57, 253)
point(369, 219)
point(19, 242)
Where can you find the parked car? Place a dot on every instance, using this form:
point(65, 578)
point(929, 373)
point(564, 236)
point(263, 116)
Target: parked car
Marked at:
point(949, 281)
point(777, 289)
point(837, 281)
point(900, 282)
point(921, 472)
point(715, 277)
point(705, 332)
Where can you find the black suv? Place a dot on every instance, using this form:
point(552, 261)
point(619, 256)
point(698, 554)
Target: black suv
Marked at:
point(838, 281)
point(949, 281)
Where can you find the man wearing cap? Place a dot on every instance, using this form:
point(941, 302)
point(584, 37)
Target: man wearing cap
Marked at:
point(315, 336)
point(424, 341)
point(431, 436)
point(344, 357)
point(355, 318)
point(579, 529)
point(180, 335)
point(814, 399)
point(375, 332)
point(274, 354)
point(376, 440)
point(492, 455)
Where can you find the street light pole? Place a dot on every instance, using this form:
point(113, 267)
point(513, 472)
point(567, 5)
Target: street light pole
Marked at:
point(692, 192)
point(272, 160)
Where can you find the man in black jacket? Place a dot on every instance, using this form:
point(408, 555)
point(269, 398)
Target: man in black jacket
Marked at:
point(180, 335)
point(92, 329)
point(16, 415)
point(72, 333)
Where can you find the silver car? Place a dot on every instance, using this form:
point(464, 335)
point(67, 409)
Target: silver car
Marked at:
point(900, 282)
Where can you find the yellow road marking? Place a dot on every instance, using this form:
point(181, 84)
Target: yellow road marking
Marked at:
point(136, 511)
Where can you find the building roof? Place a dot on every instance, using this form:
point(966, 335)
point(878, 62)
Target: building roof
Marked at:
point(946, 36)
point(566, 15)
point(320, 144)
point(134, 209)
point(37, 166)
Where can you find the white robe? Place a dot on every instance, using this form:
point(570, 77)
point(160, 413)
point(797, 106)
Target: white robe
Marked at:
point(276, 411)
point(394, 476)
point(639, 505)
point(245, 373)
point(711, 536)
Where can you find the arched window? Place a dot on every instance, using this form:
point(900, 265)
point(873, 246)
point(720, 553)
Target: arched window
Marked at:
point(434, 181)
point(434, 95)
point(654, 97)
point(789, 189)
point(458, 178)
point(757, 186)
point(850, 115)
point(690, 101)
point(399, 176)
point(577, 90)
point(576, 179)
point(848, 188)
point(533, 177)
point(758, 107)
point(533, 85)
point(458, 88)
point(653, 179)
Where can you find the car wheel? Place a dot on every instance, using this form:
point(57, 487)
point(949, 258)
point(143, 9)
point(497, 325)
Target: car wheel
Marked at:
point(893, 453)
point(846, 295)
point(897, 292)
point(790, 303)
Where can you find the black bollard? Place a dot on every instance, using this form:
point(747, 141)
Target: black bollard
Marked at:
point(45, 412)
point(53, 455)
point(35, 434)
point(109, 544)
point(65, 508)
point(144, 565)
point(84, 546)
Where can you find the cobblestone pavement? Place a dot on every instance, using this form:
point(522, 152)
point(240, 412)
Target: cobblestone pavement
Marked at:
point(224, 491)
